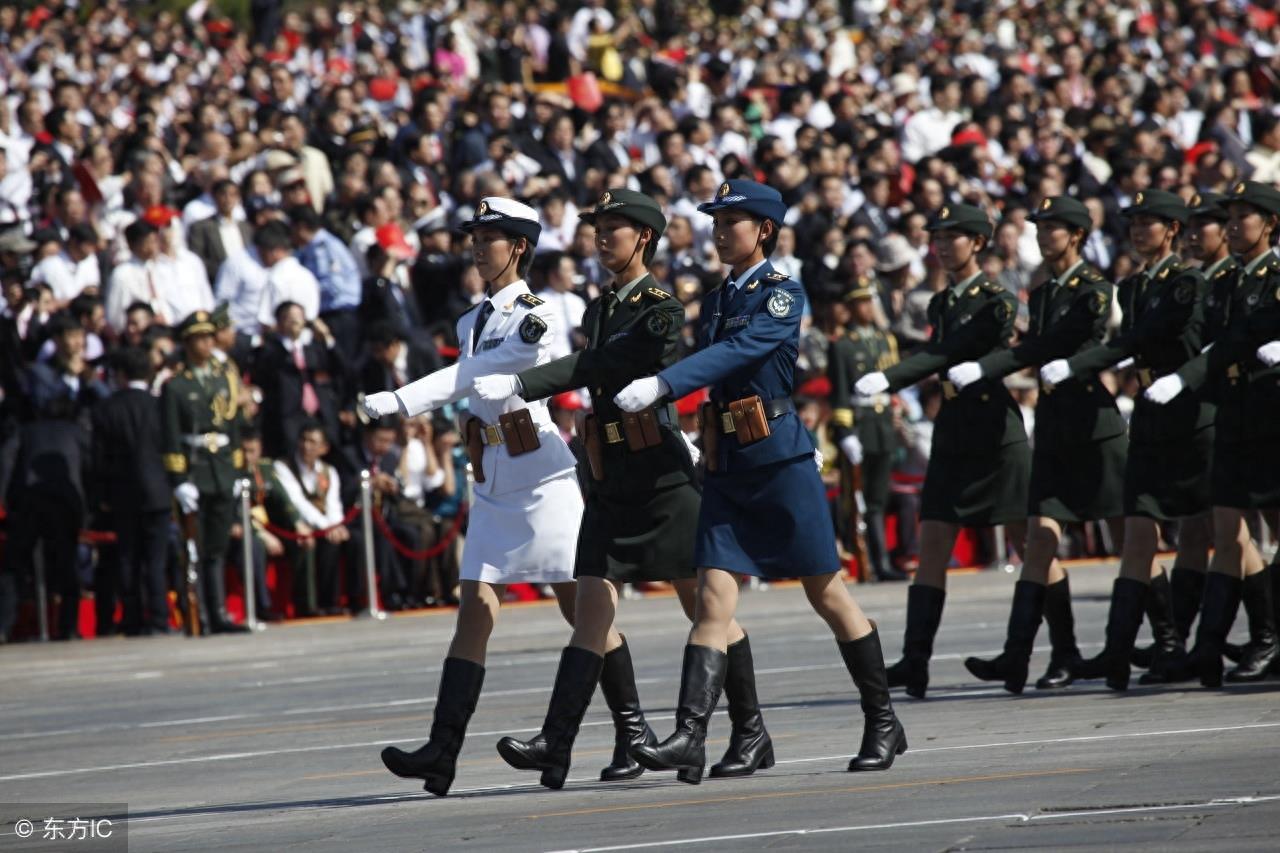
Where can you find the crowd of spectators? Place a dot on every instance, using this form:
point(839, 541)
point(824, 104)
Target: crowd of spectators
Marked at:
point(304, 172)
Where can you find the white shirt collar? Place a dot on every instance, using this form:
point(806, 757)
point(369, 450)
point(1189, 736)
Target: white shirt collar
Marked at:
point(141, 386)
point(503, 299)
point(746, 276)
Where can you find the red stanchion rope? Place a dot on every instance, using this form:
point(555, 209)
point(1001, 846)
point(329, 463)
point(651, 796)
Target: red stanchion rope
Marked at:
point(435, 550)
point(294, 536)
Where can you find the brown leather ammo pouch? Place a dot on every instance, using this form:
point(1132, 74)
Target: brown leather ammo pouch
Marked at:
point(750, 422)
point(709, 423)
point(588, 426)
point(641, 429)
point(473, 437)
point(518, 432)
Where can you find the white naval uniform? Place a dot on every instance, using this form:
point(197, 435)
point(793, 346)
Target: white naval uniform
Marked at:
point(525, 515)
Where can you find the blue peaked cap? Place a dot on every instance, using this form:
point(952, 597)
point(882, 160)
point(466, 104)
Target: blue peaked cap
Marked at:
point(755, 198)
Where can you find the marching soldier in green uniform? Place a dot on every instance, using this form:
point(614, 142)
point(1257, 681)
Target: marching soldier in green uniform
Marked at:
point(1244, 377)
point(1167, 469)
point(1077, 463)
point(863, 425)
point(979, 459)
point(641, 510)
point(204, 459)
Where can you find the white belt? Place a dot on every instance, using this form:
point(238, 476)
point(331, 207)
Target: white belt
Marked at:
point(210, 441)
point(870, 400)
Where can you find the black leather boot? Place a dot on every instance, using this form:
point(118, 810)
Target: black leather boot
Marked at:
point(878, 551)
point(1217, 612)
point(924, 615)
point(1128, 602)
point(1186, 586)
point(618, 684)
point(1065, 655)
point(1012, 665)
point(1261, 650)
point(701, 679)
point(550, 750)
point(1169, 641)
point(436, 761)
point(750, 747)
point(883, 738)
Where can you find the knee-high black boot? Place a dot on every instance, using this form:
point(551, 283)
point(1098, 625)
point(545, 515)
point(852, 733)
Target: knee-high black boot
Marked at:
point(1128, 601)
point(924, 614)
point(701, 679)
point(1186, 587)
point(436, 761)
point(1261, 651)
point(878, 551)
point(1168, 642)
point(1024, 621)
point(1217, 612)
point(550, 751)
point(618, 683)
point(883, 738)
point(750, 747)
point(1065, 656)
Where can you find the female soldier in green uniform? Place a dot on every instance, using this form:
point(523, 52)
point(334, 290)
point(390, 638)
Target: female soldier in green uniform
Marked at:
point(979, 460)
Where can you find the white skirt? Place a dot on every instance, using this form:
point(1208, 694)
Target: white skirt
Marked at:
point(524, 536)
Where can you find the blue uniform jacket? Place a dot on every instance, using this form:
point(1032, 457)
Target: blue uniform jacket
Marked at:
point(747, 344)
point(331, 262)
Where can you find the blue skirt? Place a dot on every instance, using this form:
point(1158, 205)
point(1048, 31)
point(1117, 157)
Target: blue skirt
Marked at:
point(771, 522)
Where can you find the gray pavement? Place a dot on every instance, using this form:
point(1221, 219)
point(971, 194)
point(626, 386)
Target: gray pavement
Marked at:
point(272, 741)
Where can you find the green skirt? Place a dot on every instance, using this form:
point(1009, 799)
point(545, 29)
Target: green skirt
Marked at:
point(646, 536)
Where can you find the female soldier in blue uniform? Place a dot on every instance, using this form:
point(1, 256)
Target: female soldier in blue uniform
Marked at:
point(764, 509)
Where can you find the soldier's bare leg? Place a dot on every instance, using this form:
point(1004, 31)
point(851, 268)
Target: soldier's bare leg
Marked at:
point(1138, 558)
point(1041, 563)
point(937, 540)
point(717, 602)
point(830, 599)
point(687, 591)
point(1232, 546)
point(477, 614)
point(597, 602)
point(925, 599)
point(1195, 535)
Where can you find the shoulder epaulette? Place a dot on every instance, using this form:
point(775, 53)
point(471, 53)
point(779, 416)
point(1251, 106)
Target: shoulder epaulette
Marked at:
point(777, 276)
point(657, 293)
point(991, 287)
point(528, 300)
point(1091, 273)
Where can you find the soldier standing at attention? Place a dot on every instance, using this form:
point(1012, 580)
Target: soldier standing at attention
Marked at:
point(527, 503)
point(979, 460)
point(863, 423)
point(1242, 367)
point(202, 454)
point(1167, 469)
point(764, 509)
point(1077, 463)
point(642, 506)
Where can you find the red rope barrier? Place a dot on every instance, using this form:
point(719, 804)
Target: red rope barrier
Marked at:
point(294, 536)
point(435, 550)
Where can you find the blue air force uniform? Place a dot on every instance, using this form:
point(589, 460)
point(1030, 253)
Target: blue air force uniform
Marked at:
point(764, 509)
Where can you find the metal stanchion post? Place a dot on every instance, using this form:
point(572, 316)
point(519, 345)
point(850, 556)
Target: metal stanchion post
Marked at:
point(250, 570)
point(1002, 549)
point(370, 570)
point(42, 592)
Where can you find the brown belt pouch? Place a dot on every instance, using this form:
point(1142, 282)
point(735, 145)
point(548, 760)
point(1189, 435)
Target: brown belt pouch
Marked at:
point(641, 429)
point(709, 419)
point(518, 432)
point(472, 435)
point(749, 420)
point(589, 431)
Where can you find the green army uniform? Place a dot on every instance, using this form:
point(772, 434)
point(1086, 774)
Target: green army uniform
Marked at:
point(201, 433)
point(857, 352)
point(640, 519)
point(1077, 467)
point(1244, 313)
point(1170, 447)
point(979, 460)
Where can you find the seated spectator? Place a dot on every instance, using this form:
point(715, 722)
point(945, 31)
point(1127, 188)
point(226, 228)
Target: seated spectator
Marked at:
point(315, 493)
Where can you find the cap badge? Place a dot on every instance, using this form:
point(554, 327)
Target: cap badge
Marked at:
point(945, 213)
point(1137, 199)
point(605, 199)
point(1239, 188)
point(482, 209)
point(1195, 200)
point(1046, 204)
point(724, 189)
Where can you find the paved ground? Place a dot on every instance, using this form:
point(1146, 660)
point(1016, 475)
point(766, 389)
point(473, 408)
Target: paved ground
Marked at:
point(270, 742)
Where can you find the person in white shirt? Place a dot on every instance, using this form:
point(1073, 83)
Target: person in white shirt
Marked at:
point(567, 305)
point(73, 269)
point(929, 131)
point(136, 279)
point(314, 490)
point(286, 279)
point(180, 274)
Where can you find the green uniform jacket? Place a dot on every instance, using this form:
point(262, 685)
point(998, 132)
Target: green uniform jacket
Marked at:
point(1162, 329)
point(978, 322)
point(862, 350)
point(638, 339)
point(189, 408)
point(1066, 319)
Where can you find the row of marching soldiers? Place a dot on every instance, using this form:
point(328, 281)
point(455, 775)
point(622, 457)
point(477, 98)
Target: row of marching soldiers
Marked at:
point(1201, 330)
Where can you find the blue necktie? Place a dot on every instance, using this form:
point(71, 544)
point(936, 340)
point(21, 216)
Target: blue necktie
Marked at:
point(486, 311)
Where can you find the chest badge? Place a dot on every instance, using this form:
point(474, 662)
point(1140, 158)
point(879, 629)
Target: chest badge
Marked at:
point(780, 303)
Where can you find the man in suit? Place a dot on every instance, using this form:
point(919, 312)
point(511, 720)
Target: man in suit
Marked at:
point(559, 157)
point(221, 235)
point(609, 152)
point(132, 487)
point(393, 361)
point(301, 377)
point(377, 453)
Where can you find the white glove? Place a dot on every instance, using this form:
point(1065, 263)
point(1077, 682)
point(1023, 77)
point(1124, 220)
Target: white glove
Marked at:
point(641, 394)
point(381, 404)
point(1165, 389)
point(852, 448)
point(964, 374)
point(188, 497)
point(818, 459)
point(1123, 364)
point(1269, 354)
point(1055, 371)
point(694, 453)
point(872, 383)
point(498, 386)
